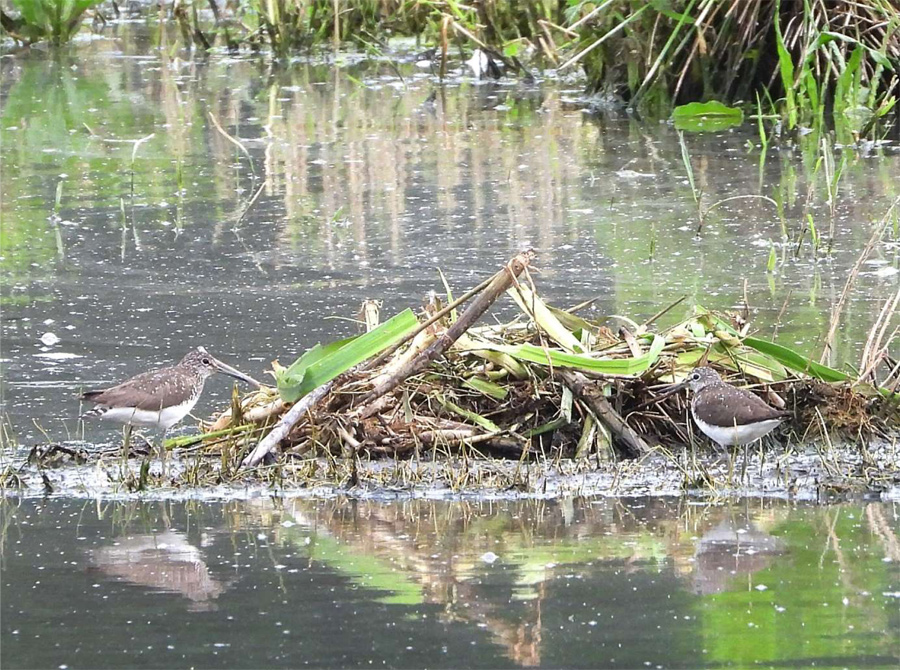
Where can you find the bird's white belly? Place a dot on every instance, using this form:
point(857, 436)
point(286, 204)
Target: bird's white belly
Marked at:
point(727, 436)
point(164, 418)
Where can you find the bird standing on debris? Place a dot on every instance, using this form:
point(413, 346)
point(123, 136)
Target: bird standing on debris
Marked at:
point(726, 414)
point(159, 398)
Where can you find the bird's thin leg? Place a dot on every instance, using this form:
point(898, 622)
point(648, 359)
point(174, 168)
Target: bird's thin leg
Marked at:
point(744, 463)
point(162, 452)
point(126, 443)
point(730, 454)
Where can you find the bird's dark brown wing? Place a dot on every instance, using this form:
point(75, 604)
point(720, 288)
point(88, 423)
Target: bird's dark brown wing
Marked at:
point(724, 405)
point(149, 391)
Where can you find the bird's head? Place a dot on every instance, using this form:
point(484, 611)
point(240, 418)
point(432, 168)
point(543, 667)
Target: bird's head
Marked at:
point(202, 362)
point(700, 378)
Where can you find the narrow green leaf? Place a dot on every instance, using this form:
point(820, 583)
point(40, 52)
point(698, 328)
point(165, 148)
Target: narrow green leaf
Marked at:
point(797, 362)
point(322, 364)
point(772, 263)
point(688, 167)
point(486, 387)
point(560, 359)
point(786, 68)
point(706, 116)
point(474, 417)
point(547, 427)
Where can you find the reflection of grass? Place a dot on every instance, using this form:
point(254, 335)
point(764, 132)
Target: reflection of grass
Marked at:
point(361, 568)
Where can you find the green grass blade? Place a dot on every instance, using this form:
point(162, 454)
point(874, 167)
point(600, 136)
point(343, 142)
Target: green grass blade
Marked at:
point(486, 387)
point(786, 69)
point(474, 417)
point(322, 364)
point(795, 361)
point(560, 359)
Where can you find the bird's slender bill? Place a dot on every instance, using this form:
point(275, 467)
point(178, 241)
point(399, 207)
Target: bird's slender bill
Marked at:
point(232, 372)
point(672, 390)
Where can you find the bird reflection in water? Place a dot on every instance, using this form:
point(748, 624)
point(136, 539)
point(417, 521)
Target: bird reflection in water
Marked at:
point(730, 549)
point(164, 562)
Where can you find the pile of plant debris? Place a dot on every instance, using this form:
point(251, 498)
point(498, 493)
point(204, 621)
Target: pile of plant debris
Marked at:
point(441, 400)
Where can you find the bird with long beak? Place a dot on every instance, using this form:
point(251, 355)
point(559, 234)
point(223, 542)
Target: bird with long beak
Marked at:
point(160, 398)
point(726, 414)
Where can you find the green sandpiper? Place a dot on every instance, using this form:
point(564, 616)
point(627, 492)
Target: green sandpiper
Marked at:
point(160, 398)
point(726, 414)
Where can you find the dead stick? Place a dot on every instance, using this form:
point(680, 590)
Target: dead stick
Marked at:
point(285, 425)
point(579, 385)
point(422, 326)
point(664, 311)
point(497, 285)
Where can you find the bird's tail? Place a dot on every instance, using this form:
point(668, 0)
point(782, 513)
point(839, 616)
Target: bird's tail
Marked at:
point(94, 413)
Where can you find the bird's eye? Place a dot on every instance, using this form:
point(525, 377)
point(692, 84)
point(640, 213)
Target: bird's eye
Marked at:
point(695, 376)
point(206, 361)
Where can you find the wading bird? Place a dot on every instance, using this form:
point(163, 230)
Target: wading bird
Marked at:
point(159, 398)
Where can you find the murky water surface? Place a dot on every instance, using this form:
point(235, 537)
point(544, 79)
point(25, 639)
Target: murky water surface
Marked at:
point(575, 583)
point(366, 184)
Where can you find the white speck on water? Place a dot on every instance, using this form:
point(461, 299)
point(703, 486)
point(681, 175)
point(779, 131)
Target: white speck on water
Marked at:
point(288, 524)
point(489, 557)
point(261, 536)
point(891, 594)
point(761, 587)
point(58, 356)
point(49, 339)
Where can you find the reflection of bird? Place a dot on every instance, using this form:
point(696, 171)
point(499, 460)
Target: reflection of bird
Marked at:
point(160, 398)
point(165, 562)
point(728, 550)
point(728, 415)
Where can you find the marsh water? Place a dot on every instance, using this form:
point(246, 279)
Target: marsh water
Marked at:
point(573, 583)
point(367, 177)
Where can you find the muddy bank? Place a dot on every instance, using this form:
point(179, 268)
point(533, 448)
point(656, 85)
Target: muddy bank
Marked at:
point(812, 474)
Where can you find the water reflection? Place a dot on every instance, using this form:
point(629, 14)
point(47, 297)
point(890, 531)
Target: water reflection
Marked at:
point(164, 562)
point(729, 550)
point(577, 583)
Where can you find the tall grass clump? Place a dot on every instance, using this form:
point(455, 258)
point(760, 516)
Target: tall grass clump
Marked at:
point(290, 24)
point(54, 21)
point(801, 57)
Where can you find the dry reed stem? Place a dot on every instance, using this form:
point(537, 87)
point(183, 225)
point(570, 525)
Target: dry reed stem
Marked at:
point(851, 279)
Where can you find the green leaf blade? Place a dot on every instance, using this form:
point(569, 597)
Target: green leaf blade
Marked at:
point(320, 364)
